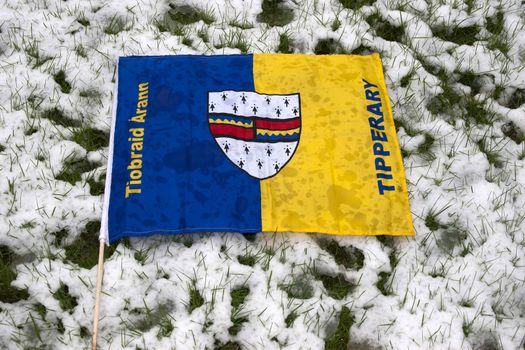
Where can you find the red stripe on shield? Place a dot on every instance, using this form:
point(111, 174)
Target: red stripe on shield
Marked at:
point(233, 131)
point(273, 124)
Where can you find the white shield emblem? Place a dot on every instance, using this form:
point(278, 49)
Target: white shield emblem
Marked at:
point(259, 133)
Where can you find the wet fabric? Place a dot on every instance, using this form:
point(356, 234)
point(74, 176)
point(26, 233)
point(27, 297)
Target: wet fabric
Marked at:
point(251, 143)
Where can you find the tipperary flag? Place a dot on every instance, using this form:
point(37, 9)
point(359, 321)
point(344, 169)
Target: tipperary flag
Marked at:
point(251, 143)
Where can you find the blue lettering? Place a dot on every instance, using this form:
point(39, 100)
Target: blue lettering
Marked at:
point(378, 135)
point(376, 123)
point(372, 95)
point(379, 138)
point(379, 150)
point(367, 84)
point(381, 165)
point(384, 176)
point(375, 108)
point(382, 188)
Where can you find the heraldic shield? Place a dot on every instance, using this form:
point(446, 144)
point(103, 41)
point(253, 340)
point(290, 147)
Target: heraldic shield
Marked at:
point(259, 133)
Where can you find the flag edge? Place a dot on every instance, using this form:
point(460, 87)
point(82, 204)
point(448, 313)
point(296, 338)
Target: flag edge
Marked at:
point(104, 227)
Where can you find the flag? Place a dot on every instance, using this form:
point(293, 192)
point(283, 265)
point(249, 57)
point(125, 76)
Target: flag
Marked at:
point(253, 143)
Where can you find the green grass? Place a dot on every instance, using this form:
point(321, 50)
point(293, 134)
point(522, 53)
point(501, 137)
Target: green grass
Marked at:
point(59, 236)
point(349, 257)
point(83, 332)
point(96, 188)
point(35, 329)
point(407, 78)
point(459, 35)
point(115, 25)
point(383, 283)
point(328, 47)
point(82, 19)
point(241, 24)
point(167, 24)
point(337, 287)
point(470, 5)
point(178, 16)
point(299, 288)
point(432, 221)
point(445, 102)
point(81, 51)
point(60, 79)
point(424, 150)
point(196, 300)
point(513, 132)
point(30, 129)
point(165, 328)
point(203, 35)
point(185, 14)
point(141, 255)
point(231, 345)
point(451, 237)
point(491, 153)
point(289, 320)
point(90, 93)
point(517, 99)
point(385, 279)
point(285, 44)
point(8, 293)
point(57, 116)
point(238, 296)
point(73, 170)
point(431, 68)
point(498, 90)
point(36, 58)
point(409, 129)
point(84, 250)
point(393, 258)
point(60, 327)
point(336, 24)
point(275, 13)
point(187, 41)
point(496, 23)
point(160, 316)
point(356, 4)
point(40, 310)
point(339, 340)
point(247, 259)
point(385, 29)
point(475, 112)
point(233, 39)
point(498, 42)
point(458, 105)
point(237, 321)
point(91, 139)
point(67, 301)
point(387, 241)
point(27, 225)
point(469, 78)
point(363, 50)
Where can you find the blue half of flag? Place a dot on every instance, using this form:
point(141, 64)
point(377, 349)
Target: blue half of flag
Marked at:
point(166, 173)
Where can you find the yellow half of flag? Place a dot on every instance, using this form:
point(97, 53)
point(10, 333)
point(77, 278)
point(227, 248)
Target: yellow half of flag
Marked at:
point(346, 176)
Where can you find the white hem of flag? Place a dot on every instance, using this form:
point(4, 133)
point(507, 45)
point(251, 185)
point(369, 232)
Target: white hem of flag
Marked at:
point(104, 228)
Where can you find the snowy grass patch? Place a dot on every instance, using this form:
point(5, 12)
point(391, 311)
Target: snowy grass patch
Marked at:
point(456, 78)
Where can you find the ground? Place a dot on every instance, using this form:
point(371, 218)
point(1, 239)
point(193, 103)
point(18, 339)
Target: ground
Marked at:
point(456, 77)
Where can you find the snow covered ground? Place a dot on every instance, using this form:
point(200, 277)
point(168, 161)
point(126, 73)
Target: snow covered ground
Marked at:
point(456, 75)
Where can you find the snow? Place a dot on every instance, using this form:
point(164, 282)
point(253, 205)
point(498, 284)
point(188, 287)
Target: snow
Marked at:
point(458, 286)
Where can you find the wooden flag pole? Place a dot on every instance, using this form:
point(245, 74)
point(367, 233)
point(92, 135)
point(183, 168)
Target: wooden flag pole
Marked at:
point(100, 274)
